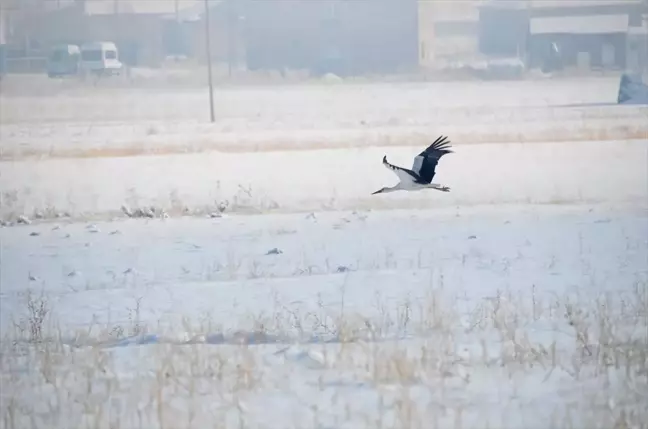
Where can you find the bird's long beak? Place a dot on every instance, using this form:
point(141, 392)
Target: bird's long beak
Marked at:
point(377, 192)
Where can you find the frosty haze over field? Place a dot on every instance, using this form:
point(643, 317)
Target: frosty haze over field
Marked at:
point(161, 271)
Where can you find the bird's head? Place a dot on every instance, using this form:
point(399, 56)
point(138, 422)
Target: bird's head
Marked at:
point(385, 190)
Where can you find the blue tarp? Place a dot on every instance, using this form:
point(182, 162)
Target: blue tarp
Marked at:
point(632, 90)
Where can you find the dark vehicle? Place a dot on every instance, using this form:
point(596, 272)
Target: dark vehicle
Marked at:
point(63, 60)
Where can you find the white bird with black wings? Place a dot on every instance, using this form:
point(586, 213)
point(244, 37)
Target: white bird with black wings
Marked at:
point(423, 170)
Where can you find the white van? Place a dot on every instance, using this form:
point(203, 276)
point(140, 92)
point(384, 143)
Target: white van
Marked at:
point(100, 58)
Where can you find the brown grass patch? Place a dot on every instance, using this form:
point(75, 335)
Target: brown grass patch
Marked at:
point(555, 135)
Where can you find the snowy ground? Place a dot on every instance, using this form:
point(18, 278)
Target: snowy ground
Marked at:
point(108, 121)
point(519, 299)
point(550, 173)
point(486, 317)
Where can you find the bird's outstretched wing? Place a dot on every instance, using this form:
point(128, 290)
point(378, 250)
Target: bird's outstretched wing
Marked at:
point(425, 162)
point(403, 174)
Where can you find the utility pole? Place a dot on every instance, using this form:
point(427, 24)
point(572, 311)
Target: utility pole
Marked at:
point(644, 55)
point(209, 65)
point(229, 37)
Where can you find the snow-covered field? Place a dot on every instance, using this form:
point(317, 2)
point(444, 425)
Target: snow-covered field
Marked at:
point(519, 299)
point(302, 181)
point(510, 316)
point(109, 121)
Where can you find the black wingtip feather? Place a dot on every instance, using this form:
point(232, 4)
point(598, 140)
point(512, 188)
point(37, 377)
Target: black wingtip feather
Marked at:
point(441, 144)
point(440, 140)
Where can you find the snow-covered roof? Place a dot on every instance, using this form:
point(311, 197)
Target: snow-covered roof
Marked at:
point(154, 7)
point(538, 4)
point(589, 24)
point(546, 4)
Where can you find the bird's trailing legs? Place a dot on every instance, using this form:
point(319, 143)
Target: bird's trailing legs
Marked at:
point(439, 187)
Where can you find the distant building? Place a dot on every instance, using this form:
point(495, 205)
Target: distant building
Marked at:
point(4, 29)
point(339, 36)
point(587, 34)
point(504, 29)
point(144, 31)
point(226, 24)
point(4, 25)
point(448, 31)
point(637, 56)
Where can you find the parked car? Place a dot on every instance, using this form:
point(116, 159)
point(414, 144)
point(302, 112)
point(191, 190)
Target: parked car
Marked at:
point(97, 58)
point(63, 60)
point(101, 58)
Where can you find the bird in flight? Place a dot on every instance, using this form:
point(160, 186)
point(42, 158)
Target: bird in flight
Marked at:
point(423, 170)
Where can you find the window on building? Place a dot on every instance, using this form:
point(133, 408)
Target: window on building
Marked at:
point(456, 28)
